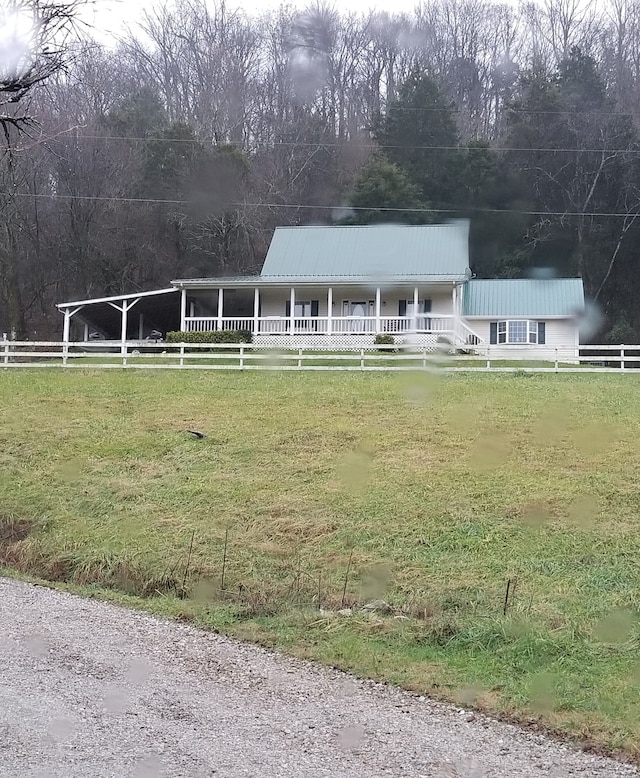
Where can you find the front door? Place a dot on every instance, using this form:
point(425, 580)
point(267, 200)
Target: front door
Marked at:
point(361, 309)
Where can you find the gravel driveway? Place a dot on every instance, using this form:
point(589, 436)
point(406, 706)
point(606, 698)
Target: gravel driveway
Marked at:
point(92, 690)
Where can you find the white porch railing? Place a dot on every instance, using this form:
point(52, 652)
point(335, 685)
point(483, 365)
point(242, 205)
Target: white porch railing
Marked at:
point(451, 326)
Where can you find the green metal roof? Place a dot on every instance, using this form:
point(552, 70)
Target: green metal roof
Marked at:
point(390, 252)
point(523, 297)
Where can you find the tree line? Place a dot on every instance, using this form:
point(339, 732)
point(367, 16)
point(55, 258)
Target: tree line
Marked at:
point(177, 150)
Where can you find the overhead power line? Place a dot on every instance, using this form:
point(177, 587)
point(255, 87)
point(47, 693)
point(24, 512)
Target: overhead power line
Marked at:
point(344, 209)
point(517, 111)
point(350, 144)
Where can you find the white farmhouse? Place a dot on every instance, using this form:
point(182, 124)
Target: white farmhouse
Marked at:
point(336, 287)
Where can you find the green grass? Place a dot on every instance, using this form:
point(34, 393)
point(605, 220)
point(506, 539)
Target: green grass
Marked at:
point(439, 489)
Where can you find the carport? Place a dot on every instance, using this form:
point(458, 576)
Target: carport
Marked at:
point(124, 317)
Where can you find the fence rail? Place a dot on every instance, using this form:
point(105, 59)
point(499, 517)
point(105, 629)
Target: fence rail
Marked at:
point(151, 355)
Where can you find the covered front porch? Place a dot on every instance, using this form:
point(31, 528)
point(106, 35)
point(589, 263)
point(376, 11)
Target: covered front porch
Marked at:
point(336, 315)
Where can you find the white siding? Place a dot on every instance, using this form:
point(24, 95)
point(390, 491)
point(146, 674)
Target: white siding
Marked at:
point(561, 334)
point(273, 301)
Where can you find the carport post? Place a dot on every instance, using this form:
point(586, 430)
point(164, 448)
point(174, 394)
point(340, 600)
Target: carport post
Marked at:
point(67, 326)
point(124, 310)
point(140, 326)
point(123, 332)
point(66, 330)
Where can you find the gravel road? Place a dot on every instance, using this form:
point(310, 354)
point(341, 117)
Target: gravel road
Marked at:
point(92, 690)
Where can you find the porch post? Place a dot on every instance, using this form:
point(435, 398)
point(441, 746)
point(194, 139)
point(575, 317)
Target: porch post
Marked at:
point(292, 312)
point(378, 310)
point(183, 310)
point(220, 306)
point(256, 312)
point(329, 311)
point(415, 306)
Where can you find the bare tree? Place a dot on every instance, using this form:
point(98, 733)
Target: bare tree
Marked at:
point(34, 46)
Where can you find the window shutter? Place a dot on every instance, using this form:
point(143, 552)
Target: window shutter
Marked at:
point(493, 332)
point(541, 332)
point(427, 306)
point(287, 308)
point(314, 307)
point(402, 307)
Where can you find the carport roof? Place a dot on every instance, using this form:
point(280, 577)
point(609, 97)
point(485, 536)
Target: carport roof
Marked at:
point(115, 298)
point(159, 308)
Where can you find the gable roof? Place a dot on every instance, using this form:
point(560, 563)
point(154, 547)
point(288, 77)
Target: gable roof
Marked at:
point(391, 251)
point(523, 297)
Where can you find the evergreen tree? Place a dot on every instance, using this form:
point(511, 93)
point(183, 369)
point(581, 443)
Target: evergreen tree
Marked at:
point(384, 185)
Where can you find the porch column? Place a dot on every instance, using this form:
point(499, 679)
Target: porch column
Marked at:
point(292, 312)
point(183, 310)
point(329, 311)
point(377, 310)
point(256, 312)
point(415, 306)
point(220, 307)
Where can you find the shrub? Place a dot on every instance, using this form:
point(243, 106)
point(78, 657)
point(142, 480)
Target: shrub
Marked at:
point(385, 340)
point(213, 336)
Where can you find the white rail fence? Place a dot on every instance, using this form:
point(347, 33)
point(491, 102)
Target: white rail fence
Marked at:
point(146, 355)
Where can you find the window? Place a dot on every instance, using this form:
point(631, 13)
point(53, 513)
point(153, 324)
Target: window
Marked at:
point(517, 331)
point(302, 308)
point(303, 311)
point(405, 307)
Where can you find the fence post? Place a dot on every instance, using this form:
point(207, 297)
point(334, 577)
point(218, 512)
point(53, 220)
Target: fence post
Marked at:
point(182, 355)
point(622, 357)
point(299, 358)
point(424, 358)
point(488, 357)
point(241, 357)
point(361, 359)
point(6, 348)
point(556, 364)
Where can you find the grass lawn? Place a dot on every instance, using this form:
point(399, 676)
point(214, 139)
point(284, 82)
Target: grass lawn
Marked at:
point(432, 491)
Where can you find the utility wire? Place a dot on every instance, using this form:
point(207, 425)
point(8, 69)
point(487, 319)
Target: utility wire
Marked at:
point(337, 208)
point(351, 145)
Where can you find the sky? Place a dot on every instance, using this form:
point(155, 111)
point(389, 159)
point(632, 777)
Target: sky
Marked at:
point(109, 17)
